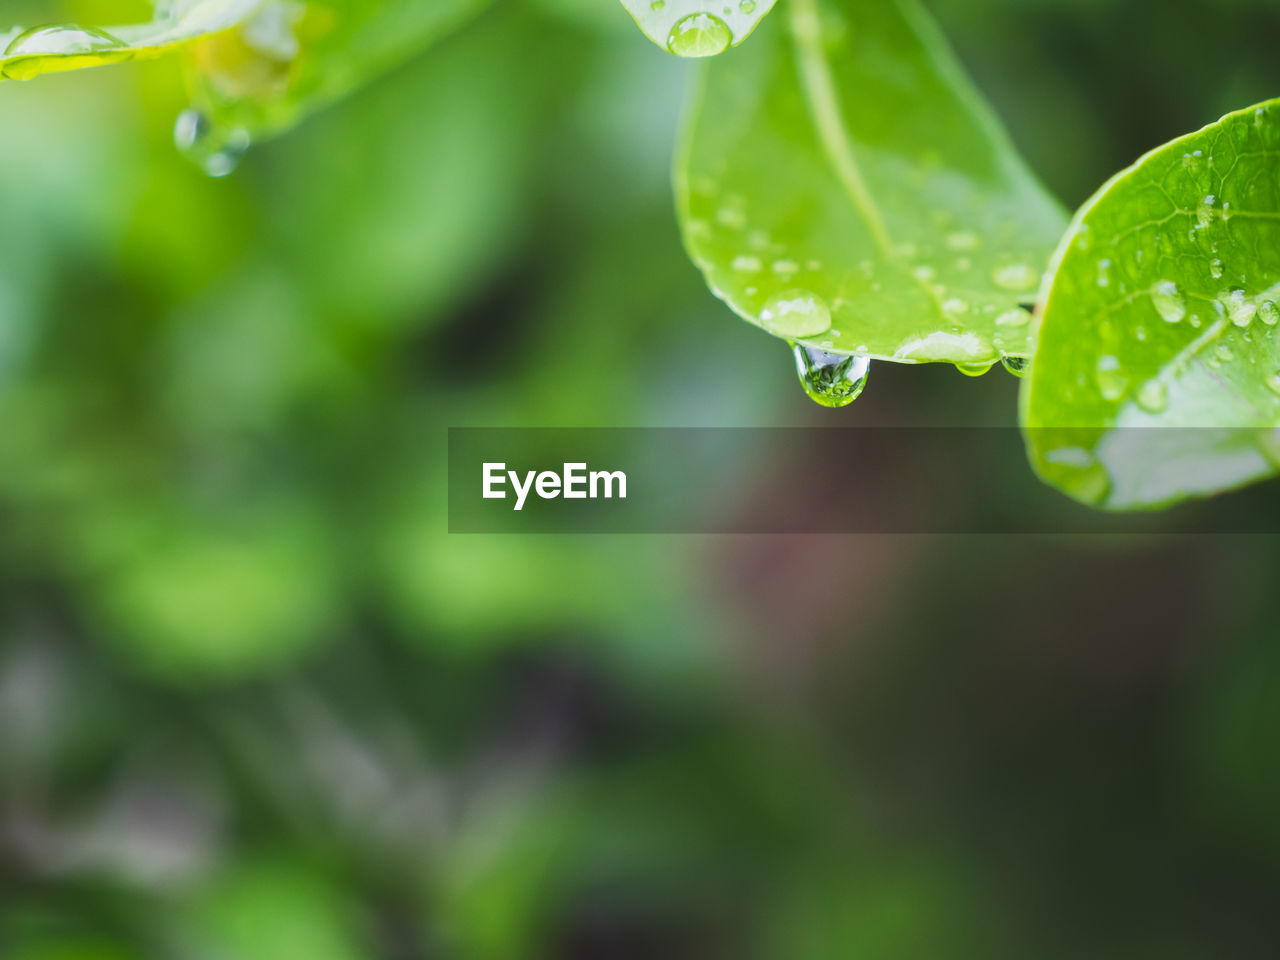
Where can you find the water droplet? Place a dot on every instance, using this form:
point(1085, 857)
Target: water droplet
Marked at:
point(1016, 276)
point(1153, 396)
point(657, 5)
point(1079, 473)
point(964, 241)
point(1104, 273)
point(830, 379)
point(699, 35)
point(954, 306)
point(785, 267)
point(796, 314)
point(1016, 365)
point(1225, 353)
point(1205, 212)
point(1016, 317)
point(1240, 309)
point(1215, 268)
point(747, 264)
point(1168, 301)
point(1269, 312)
point(747, 6)
point(924, 274)
point(216, 151)
point(1112, 381)
point(45, 49)
point(974, 369)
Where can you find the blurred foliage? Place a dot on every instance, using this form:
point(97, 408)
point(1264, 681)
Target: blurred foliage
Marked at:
point(256, 704)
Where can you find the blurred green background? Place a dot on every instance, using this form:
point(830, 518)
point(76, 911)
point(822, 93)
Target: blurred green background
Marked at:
point(256, 704)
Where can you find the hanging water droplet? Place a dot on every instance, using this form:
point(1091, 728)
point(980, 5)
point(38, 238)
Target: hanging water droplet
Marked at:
point(1079, 472)
point(830, 379)
point(974, 369)
point(1111, 378)
point(63, 47)
point(1153, 396)
point(1168, 300)
point(796, 314)
point(699, 35)
point(216, 151)
point(1016, 276)
point(1016, 365)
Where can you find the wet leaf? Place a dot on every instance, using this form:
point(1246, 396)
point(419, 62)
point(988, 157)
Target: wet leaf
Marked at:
point(844, 185)
point(1162, 312)
point(292, 58)
point(29, 52)
point(697, 28)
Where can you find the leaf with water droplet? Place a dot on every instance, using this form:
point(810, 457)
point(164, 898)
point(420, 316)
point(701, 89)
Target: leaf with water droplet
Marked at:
point(290, 58)
point(1185, 333)
point(697, 28)
point(254, 67)
point(57, 47)
point(846, 143)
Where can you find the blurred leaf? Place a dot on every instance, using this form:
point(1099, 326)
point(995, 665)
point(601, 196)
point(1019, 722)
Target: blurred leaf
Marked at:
point(1162, 312)
point(274, 911)
point(697, 28)
point(199, 596)
point(842, 183)
point(56, 47)
point(293, 57)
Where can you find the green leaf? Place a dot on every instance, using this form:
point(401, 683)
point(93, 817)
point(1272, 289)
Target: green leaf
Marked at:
point(1161, 312)
point(291, 59)
point(28, 53)
point(254, 67)
point(697, 28)
point(843, 184)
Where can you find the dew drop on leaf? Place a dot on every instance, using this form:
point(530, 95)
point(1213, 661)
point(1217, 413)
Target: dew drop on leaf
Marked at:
point(796, 314)
point(830, 379)
point(747, 6)
point(699, 35)
point(1269, 313)
point(1153, 397)
point(1013, 318)
point(1168, 301)
point(1112, 381)
point(1016, 276)
point(1240, 308)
